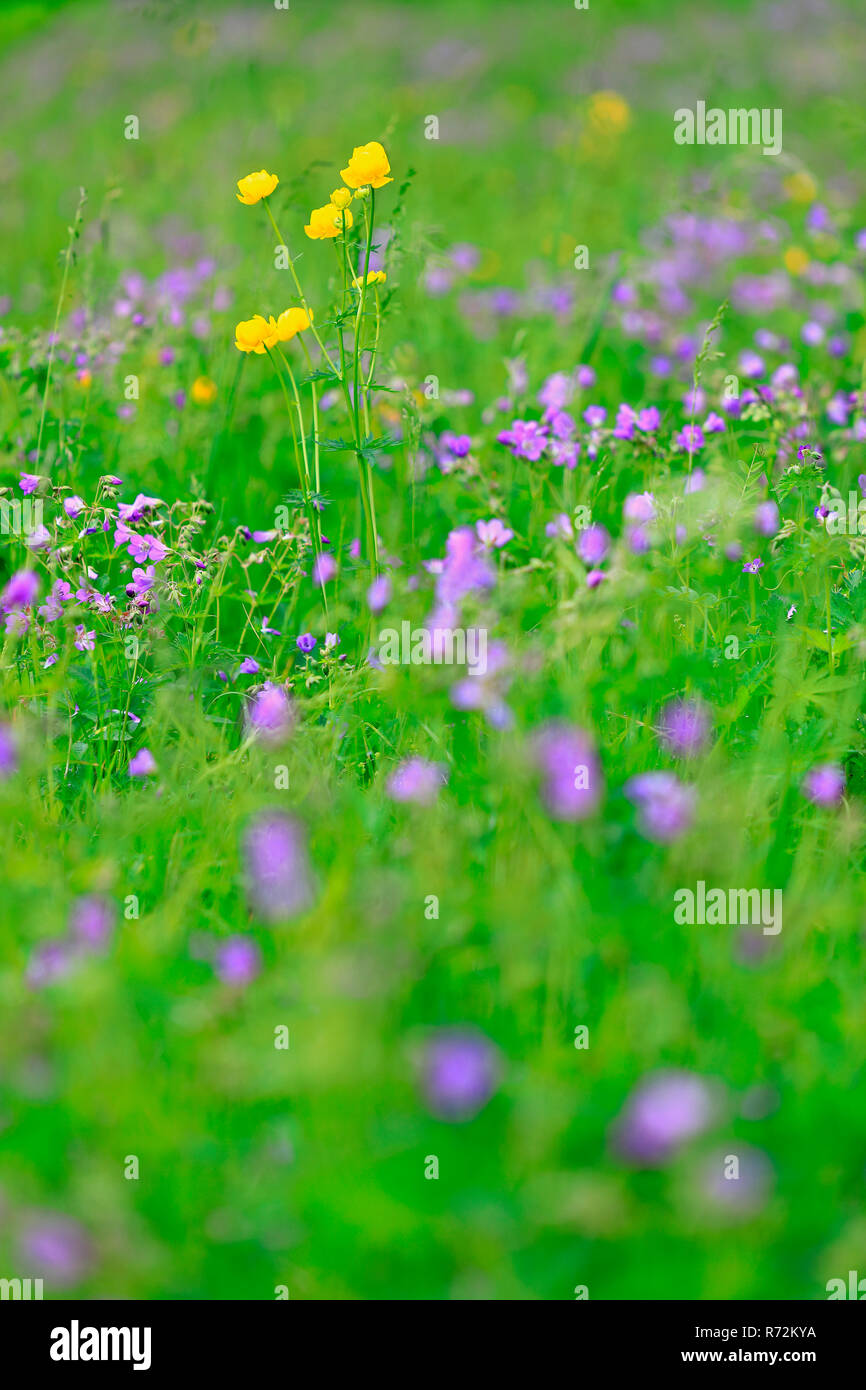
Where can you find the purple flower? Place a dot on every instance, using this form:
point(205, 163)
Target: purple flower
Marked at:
point(270, 714)
point(91, 921)
point(526, 439)
point(585, 377)
point(714, 424)
point(752, 566)
point(556, 392)
point(29, 483)
point(324, 568)
point(665, 804)
point(248, 667)
point(648, 420)
point(493, 533)
point(8, 752)
point(594, 578)
point(624, 426)
point(639, 506)
point(379, 593)
point(746, 1193)
point(49, 961)
point(464, 568)
point(416, 780)
point(825, 785)
point(85, 641)
point(57, 1247)
point(142, 764)
point(593, 545)
point(561, 528)
point(277, 870)
point(238, 960)
point(690, 437)
point(569, 764)
point(73, 506)
point(460, 1072)
point(684, 728)
point(662, 1113)
point(595, 416)
point(766, 518)
point(20, 591)
point(305, 642)
point(142, 582)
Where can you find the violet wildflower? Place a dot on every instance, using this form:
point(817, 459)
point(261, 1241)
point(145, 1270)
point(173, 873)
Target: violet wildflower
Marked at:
point(416, 780)
point(825, 785)
point(663, 1112)
point(752, 566)
point(277, 870)
point(324, 568)
point(142, 764)
point(20, 591)
point(8, 752)
point(56, 1245)
point(248, 667)
point(305, 643)
point(85, 641)
point(379, 593)
point(594, 578)
point(464, 569)
point(639, 506)
point(460, 1072)
point(595, 416)
point(665, 804)
point(526, 439)
point(270, 714)
point(238, 961)
point(684, 728)
point(561, 528)
point(493, 533)
point(73, 506)
point(91, 921)
point(572, 786)
point(593, 545)
point(767, 518)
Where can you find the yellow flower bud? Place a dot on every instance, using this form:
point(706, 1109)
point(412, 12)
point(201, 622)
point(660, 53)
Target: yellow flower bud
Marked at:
point(368, 165)
point(203, 390)
point(256, 186)
point(341, 197)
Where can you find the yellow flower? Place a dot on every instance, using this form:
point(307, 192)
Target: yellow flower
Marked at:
point(341, 197)
point(256, 186)
point(796, 260)
point(368, 165)
point(84, 380)
point(328, 221)
point(255, 334)
point(203, 390)
point(609, 113)
point(375, 277)
point(290, 322)
point(800, 187)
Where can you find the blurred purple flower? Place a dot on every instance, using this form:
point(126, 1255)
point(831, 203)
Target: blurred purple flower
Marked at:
point(665, 804)
point(277, 869)
point(461, 1069)
point(568, 761)
point(684, 728)
point(825, 785)
point(418, 780)
point(238, 960)
point(662, 1113)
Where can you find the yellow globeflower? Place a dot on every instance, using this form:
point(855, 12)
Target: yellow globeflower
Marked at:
point(256, 186)
point(796, 260)
point(800, 187)
point(203, 390)
point(255, 334)
point(290, 322)
point(609, 113)
point(341, 197)
point(368, 165)
point(328, 221)
point(375, 277)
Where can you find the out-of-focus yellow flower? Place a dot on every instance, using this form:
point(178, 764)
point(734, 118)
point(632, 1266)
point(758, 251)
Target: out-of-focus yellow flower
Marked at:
point(255, 334)
point(375, 277)
point(796, 260)
point(800, 187)
point(256, 186)
point(290, 322)
point(328, 221)
point(203, 390)
point(368, 165)
point(609, 113)
point(83, 380)
point(341, 197)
